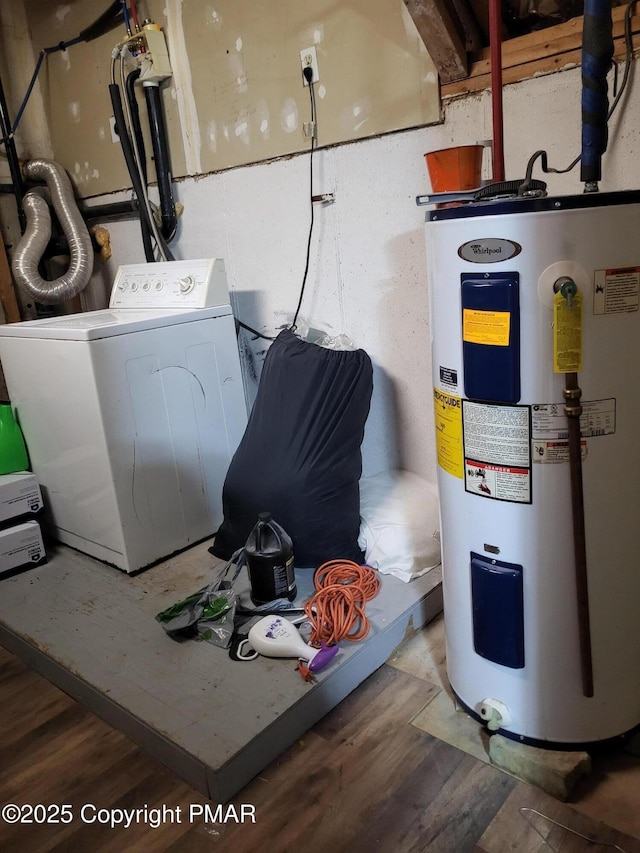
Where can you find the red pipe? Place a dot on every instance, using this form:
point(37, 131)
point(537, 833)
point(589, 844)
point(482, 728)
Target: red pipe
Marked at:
point(495, 42)
point(134, 15)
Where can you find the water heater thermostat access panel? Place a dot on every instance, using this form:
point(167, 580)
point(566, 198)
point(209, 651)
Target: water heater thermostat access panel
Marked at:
point(171, 284)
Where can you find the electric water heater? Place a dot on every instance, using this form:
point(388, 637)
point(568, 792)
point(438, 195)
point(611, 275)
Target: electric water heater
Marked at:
point(534, 311)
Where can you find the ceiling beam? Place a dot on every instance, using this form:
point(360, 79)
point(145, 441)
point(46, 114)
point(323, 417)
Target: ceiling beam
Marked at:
point(436, 22)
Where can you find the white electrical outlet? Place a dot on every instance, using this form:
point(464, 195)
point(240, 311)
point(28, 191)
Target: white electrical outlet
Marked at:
point(309, 59)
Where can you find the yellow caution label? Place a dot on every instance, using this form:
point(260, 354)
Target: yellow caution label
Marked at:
point(486, 327)
point(448, 420)
point(567, 333)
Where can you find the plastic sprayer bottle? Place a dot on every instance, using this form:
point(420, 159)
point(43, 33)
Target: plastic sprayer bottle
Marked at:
point(275, 637)
point(269, 553)
point(13, 452)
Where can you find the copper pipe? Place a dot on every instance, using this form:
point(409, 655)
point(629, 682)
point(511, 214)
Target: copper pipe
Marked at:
point(573, 410)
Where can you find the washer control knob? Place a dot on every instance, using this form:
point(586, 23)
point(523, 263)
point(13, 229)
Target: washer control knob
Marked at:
point(186, 284)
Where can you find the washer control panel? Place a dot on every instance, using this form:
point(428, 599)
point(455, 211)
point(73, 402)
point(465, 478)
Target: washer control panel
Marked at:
point(171, 284)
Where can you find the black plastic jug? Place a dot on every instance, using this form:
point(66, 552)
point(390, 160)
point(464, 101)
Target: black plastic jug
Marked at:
point(269, 553)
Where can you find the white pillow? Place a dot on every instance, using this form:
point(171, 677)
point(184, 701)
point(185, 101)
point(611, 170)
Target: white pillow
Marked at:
point(399, 524)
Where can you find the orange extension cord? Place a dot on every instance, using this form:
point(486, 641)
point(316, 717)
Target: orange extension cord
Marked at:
point(336, 610)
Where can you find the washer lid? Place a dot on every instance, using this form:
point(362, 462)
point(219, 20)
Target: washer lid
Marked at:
point(108, 323)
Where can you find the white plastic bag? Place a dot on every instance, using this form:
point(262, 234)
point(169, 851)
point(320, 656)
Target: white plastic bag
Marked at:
point(399, 524)
point(322, 338)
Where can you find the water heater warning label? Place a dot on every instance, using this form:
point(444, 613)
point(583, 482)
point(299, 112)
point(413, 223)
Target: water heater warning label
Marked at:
point(616, 291)
point(550, 422)
point(553, 452)
point(447, 410)
point(486, 327)
point(503, 483)
point(497, 451)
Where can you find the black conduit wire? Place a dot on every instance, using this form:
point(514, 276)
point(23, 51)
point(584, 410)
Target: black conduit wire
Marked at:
point(127, 150)
point(110, 18)
point(542, 155)
point(12, 158)
point(160, 243)
point(44, 52)
point(135, 119)
point(110, 212)
point(107, 21)
point(597, 57)
point(628, 43)
point(162, 160)
point(240, 324)
point(7, 129)
point(292, 327)
point(312, 99)
point(136, 129)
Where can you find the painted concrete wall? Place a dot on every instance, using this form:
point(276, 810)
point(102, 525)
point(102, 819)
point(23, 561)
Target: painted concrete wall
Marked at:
point(367, 275)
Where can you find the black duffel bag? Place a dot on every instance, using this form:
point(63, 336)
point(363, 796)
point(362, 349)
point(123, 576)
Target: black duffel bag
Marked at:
point(300, 456)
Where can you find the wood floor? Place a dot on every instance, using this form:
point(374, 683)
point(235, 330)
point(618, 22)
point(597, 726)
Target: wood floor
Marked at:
point(363, 778)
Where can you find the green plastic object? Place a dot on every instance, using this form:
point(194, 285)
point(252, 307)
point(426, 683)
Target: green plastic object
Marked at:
point(13, 451)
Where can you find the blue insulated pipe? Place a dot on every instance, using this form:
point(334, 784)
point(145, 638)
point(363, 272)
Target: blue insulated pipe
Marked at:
point(597, 54)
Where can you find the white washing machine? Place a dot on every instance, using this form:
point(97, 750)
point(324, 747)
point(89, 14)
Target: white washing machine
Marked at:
point(131, 414)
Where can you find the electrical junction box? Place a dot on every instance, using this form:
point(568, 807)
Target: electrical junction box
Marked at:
point(20, 497)
point(154, 64)
point(21, 548)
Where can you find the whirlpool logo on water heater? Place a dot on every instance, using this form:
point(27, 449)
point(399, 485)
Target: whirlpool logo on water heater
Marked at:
point(489, 250)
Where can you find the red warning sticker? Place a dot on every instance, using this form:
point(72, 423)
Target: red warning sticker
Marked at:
point(552, 452)
point(616, 291)
point(499, 482)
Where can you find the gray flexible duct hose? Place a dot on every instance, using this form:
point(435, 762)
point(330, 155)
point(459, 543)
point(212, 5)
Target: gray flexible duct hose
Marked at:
point(38, 231)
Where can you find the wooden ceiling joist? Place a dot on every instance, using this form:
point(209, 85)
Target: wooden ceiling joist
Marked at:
point(540, 52)
point(437, 28)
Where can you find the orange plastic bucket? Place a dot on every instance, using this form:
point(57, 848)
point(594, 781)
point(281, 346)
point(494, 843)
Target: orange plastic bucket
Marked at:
point(455, 168)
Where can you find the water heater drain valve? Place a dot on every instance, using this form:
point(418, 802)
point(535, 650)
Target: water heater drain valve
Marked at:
point(495, 714)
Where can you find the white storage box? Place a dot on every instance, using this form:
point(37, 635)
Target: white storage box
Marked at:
point(20, 496)
point(21, 548)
